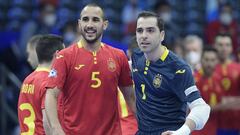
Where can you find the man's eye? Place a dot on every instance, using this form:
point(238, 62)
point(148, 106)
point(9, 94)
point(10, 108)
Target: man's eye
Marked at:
point(85, 19)
point(139, 30)
point(150, 30)
point(96, 19)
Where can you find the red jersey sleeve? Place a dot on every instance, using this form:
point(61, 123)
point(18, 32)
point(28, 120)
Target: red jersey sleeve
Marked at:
point(43, 94)
point(57, 75)
point(43, 102)
point(125, 74)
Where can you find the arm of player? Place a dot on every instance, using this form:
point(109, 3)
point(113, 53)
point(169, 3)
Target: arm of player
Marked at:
point(129, 95)
point(228, 103)
point(46, 123)
point(51, 111)
point(196, 119)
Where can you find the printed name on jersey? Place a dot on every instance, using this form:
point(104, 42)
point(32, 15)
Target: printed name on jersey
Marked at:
point(79, 66)
point(53, 73)
point(27, 89)
point(157, 80)
point(111, 65)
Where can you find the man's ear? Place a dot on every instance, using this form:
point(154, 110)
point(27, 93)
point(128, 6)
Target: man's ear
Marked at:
point(79, 24)
point(105, 24)
point(55, 54)
point(162, 35)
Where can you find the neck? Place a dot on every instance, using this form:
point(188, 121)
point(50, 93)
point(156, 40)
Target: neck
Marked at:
point(225, 61)
point(92, 46)
point(45, 64)
point(207, 75)
point(155, 54)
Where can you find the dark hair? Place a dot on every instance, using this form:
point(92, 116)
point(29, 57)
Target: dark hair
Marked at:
point(33, 41)
point(95, 5)
point(146, 14)
point(222, 35)
point(160, 4)
point(47, 46)
point(209, 48)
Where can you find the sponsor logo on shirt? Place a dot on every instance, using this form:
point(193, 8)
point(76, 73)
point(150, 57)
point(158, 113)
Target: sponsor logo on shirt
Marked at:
point(79, 66)
point(180, 71)
point(52, 73)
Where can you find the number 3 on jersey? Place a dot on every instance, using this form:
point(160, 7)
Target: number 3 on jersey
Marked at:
point(97, 82)
point(143, 91)
point(29, 121)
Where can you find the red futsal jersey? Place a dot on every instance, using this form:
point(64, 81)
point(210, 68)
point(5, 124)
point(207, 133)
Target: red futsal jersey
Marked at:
point(31, 102)
point(128, 120)
point(230, 82)
point(211, 93)
point(89, 81)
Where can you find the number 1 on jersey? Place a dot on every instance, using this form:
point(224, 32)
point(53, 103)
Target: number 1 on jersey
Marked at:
point(143, 91)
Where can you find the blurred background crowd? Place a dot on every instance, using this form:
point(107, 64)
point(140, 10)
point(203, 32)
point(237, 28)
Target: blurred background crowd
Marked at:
point(190, 26)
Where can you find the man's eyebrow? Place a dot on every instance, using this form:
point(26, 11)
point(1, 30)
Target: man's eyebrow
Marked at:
point(150, 28)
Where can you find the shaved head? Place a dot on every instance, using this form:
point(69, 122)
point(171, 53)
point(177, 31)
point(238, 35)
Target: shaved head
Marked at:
point(93, 5)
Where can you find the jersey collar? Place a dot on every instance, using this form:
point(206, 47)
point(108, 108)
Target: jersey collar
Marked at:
point(80, 44)
point(165, 53)
point(42, 69)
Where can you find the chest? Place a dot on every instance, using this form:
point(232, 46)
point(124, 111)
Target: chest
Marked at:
point(100, 66)
point(154, 78)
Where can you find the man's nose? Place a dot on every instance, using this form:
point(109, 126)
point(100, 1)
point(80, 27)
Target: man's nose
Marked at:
point(90, 24)
point(144, 34)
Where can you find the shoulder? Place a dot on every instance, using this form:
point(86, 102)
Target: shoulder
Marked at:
point(234, 64)
point(176, 62)
point(137, 53)
point(70, 49)
point(29, 77)
point(178, 67)
point(110, 48)
point(66, 53)
point(113, 50)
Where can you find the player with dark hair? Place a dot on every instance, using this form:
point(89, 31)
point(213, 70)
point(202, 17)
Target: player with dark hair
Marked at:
point(88, 74)
point(229, 72)
point(31, 51)
point(164, 85)
point(31, 98)
point(208, 83)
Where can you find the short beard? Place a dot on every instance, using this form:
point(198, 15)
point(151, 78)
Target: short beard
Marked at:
point(92, 40)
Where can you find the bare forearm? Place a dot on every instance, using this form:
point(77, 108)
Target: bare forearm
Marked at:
point(51, 112)
point(129, 96)
point(46, 125)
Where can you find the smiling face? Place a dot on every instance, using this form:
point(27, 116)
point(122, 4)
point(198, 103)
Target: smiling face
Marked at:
point(92, 24)
point(148, 34)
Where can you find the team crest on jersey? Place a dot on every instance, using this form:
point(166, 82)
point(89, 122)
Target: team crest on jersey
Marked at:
point(157, 80)
point(111, 65)
point(52, 73)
